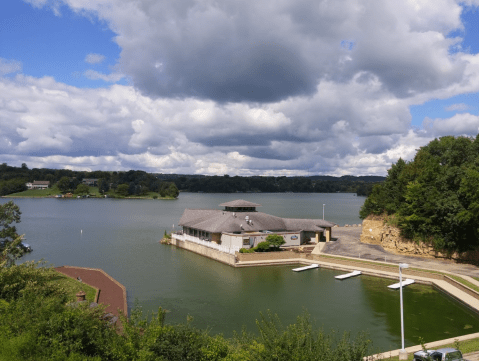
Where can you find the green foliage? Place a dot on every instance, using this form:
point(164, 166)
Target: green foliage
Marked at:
point(64, 184)
point(300, 341)
point(9, 239)
point(168, 189)
point(12, 186)
point(29, 275)
point(263, 247)
point(435, 197)
point(82, 189)
point(275, 240)
point(123, 190)
point(246, 250)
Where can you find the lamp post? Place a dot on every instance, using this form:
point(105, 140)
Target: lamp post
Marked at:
point(323, 211)
point(402, 353)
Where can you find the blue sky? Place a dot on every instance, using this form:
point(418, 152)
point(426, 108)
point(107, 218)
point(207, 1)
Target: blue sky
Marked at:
point(248, 88)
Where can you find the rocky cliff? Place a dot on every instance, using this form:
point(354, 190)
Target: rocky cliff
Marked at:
point(375, 231)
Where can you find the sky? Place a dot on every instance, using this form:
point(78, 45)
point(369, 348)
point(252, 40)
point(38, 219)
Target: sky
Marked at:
point(251, 87)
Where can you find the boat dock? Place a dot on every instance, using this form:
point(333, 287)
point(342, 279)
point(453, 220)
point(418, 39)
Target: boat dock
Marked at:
point(314, 265)
point(406, 282)
point(347, 275)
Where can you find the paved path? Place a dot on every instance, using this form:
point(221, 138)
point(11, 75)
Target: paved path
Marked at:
point(348, 244)
point(112, 293)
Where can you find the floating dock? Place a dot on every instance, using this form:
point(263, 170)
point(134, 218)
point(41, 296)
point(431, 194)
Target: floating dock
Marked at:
point(347, 275)
point(406, 282)
point(314, 265)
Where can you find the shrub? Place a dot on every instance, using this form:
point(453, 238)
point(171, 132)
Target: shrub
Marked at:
point(246, 250)
point(275, 240)
point(263, 246)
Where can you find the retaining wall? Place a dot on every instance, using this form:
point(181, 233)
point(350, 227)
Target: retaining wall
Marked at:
point(205, 251)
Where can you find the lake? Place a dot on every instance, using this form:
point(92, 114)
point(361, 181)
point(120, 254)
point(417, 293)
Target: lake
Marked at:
point(121, 237)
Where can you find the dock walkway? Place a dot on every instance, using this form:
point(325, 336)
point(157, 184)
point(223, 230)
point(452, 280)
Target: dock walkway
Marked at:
point(112, 293)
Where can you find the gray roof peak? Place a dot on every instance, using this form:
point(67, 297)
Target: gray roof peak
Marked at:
point(240, 203)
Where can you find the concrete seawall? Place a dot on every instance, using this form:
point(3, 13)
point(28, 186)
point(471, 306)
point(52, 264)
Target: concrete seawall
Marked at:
point(229, 259)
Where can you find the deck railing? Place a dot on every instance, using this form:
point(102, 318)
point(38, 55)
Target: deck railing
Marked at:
point(209, 244)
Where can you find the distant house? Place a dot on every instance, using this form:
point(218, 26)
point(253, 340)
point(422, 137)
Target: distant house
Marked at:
point(90, 181)
point(38, 185)
point(239, 225)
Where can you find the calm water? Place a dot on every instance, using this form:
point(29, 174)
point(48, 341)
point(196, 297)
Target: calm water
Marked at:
point(121, 237)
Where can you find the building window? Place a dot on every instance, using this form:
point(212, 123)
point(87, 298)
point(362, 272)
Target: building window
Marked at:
point(245, 241)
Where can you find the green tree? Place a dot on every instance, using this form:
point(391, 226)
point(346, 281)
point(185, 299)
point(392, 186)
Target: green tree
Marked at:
point(123, 190)
point(64, 184)
point(435, 197)
point(9, 238)
point(103, 185)
point(275, 240)
point(82, 189)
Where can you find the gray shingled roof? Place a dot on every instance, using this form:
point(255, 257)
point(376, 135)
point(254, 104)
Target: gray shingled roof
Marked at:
point(217, 221)
point(240, 203)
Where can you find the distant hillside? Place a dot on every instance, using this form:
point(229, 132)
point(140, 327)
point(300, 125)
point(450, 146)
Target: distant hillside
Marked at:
point(13, 179)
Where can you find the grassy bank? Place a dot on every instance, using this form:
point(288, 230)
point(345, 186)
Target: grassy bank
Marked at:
point(73, 286)
point(93, 192)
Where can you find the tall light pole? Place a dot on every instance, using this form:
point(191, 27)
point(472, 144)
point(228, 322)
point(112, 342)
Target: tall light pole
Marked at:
point(323, 211)
point(402, 353)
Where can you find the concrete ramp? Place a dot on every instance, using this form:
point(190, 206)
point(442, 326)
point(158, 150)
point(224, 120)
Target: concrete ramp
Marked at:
point(318, 248)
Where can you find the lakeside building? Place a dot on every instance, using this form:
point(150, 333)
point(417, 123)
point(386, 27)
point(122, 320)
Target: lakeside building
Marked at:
point(240, 225)
point(38, 185)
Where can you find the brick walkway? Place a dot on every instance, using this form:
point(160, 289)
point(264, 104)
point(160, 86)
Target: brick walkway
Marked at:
point(112, 293)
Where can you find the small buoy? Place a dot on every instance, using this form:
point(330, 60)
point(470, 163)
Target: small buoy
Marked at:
point(81, 230)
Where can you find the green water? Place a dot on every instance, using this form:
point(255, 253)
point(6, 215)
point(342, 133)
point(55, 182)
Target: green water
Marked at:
point(121, 237)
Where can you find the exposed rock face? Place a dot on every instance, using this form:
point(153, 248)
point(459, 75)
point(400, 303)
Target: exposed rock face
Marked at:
point(376, 232)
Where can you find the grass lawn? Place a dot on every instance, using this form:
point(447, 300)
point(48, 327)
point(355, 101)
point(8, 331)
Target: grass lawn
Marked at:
point(37, 192)
point(73, 286)
point(93, 192)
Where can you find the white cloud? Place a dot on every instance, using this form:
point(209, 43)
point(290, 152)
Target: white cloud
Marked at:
point(110, 78)
point(93, 58)
point(9, 66)
point(457, 107)
point(459, 124)
point(290, 87)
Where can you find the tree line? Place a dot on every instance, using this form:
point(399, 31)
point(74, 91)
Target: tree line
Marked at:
point(130, 183)
point(314, 184)
point(435, 197)
point(135, 182)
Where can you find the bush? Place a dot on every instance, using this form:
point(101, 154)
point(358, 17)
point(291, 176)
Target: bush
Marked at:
point(29, 275)
point(275, 240)
point(263, 247)
point(246, 250)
